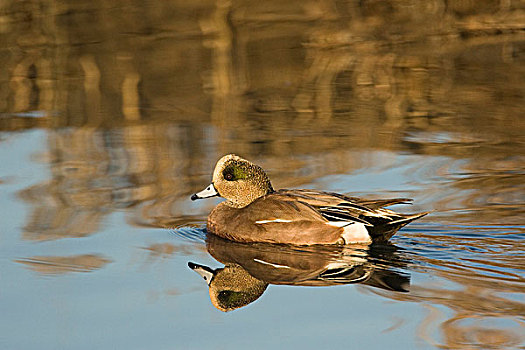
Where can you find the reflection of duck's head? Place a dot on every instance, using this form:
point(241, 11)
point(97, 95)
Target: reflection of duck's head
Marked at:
point(230, 287)
point(249, 268)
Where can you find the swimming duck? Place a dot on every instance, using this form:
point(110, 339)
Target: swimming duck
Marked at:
point(255, 212)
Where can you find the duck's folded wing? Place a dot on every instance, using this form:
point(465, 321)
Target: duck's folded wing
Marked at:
point(331, 206)
point(381, 203)
point(338, 207)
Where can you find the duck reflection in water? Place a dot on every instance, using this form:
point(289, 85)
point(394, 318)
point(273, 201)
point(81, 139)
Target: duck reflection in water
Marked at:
point(250, 268)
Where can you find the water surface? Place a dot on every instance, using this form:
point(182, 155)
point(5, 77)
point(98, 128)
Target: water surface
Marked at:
point(112, 115)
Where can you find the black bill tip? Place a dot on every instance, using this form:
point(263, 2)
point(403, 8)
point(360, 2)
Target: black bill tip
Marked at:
point(194, 197)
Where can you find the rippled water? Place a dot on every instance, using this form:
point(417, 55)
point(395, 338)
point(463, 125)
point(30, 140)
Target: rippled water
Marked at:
point(111, 116)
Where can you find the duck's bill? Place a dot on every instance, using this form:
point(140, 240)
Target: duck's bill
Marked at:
point(208, 192)
point(205, 272)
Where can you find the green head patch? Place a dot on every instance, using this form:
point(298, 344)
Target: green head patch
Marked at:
point(234, 172)
point(230, 299)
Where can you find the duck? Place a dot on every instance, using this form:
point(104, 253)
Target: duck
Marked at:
point(254, 212)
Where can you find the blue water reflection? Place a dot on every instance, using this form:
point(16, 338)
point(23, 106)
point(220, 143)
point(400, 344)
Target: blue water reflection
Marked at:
point(112, 115)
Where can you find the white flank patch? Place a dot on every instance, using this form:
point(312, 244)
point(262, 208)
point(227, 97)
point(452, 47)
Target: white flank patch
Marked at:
point(270, 221)
point(354, 232)
point(274, 265)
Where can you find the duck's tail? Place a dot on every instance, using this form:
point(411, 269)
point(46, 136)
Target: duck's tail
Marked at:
point(383, 232)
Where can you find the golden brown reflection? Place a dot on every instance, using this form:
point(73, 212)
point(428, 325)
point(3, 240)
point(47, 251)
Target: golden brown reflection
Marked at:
point(133, 102)
point(249, 268)
point(54, 265)
point(139, 100)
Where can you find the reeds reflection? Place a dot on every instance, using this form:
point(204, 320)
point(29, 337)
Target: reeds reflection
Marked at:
point(250, 268)
point(127, 105)
point(137, 106)
point(55, 265)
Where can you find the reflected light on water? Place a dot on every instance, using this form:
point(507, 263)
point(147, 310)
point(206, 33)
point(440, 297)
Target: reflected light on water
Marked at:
point(64, 264)
point(112, 115)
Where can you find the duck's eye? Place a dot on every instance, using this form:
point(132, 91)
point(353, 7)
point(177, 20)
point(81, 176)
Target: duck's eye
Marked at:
point(228, 176)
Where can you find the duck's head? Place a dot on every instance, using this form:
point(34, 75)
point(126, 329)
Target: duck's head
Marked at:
point(238, 180)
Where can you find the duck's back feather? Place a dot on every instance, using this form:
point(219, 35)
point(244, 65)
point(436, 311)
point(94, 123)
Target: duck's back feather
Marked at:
point(381, 223)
